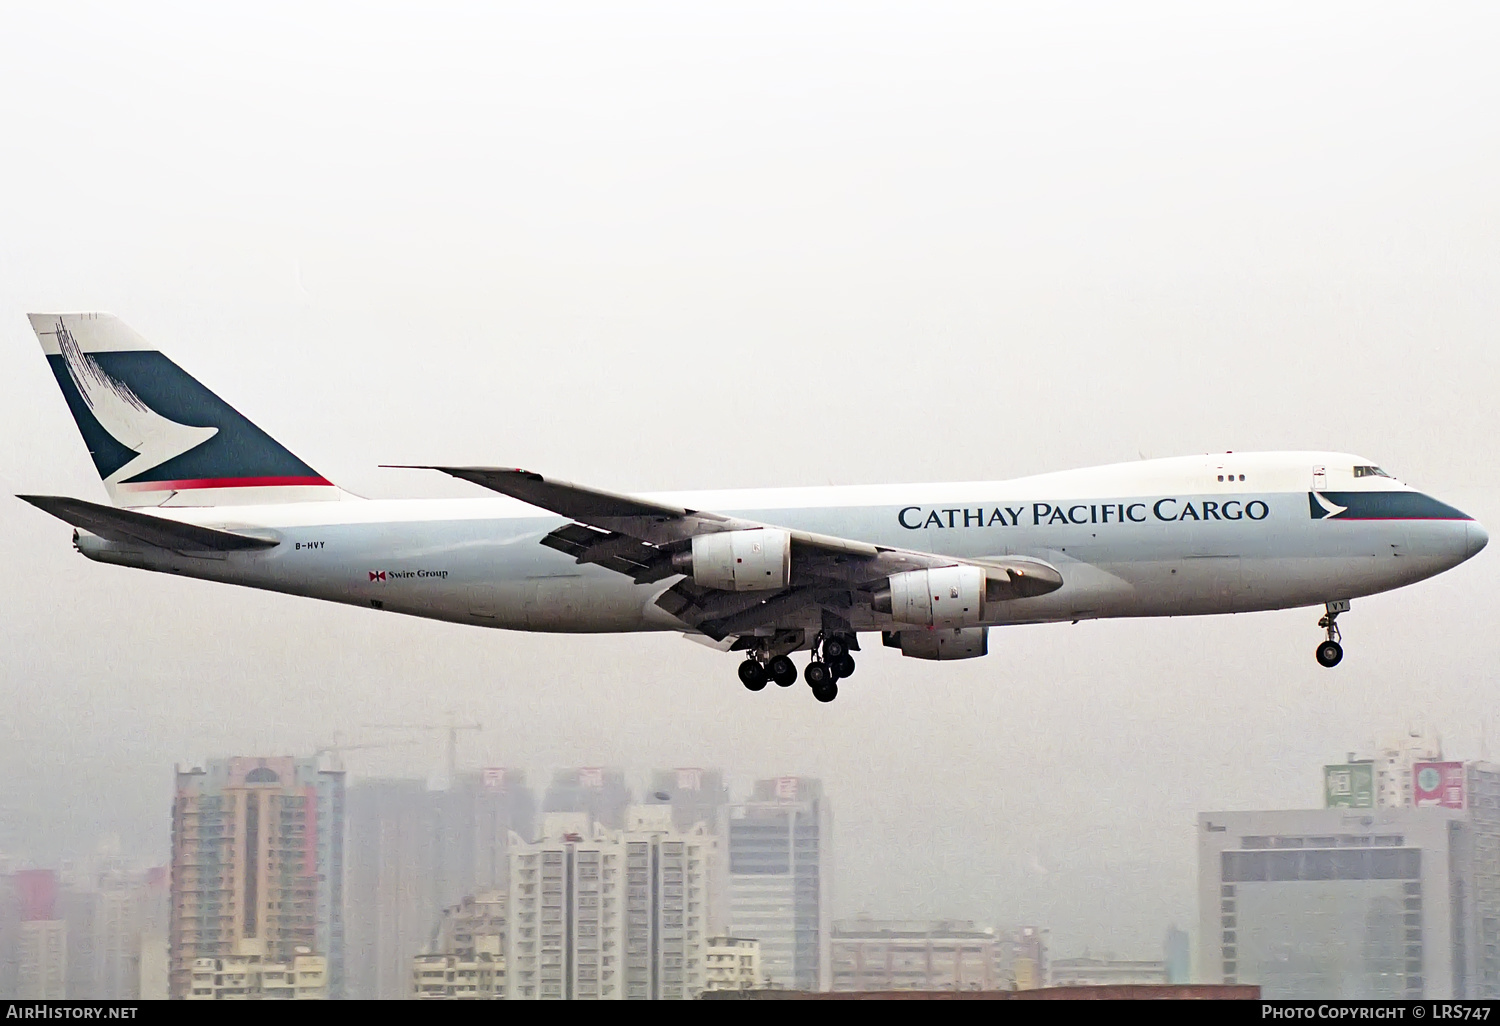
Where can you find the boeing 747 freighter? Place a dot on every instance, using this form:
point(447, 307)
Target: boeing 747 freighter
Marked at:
point(198, 490)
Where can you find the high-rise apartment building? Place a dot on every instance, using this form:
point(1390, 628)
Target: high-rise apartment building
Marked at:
point(699, 796)
point(695, 796)
point(498, 802)
point(609, 914)
point(399, 862)
point(886, 955)
point(779, 858)
point(414, 852)
point(41, 959)
point(257, 866)
point(667, 877)
point(153, 959)
point(110, 911)
point(1393, 767)
point(600, 792)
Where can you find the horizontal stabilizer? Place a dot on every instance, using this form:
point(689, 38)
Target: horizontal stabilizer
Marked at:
point(129, 527)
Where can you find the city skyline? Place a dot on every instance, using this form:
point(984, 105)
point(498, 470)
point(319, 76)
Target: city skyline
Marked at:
point(238, 818)
point(1140, 936)
point(644, 787)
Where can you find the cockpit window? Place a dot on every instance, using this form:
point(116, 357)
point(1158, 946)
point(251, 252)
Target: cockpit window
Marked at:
point(1369, 472)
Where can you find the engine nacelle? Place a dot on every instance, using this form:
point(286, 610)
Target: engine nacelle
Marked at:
point(938, 643)
point(949, 596)
point(757, 560)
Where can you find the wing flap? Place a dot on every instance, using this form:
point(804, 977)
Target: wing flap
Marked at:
point(612, 550)
point(129, 527)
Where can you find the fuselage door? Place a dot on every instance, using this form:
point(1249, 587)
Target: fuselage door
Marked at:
point(1320, 478)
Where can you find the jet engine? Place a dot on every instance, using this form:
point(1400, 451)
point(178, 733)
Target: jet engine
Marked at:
point(756, 560)
point(948, 596)
point(962, 643)
point(961, 596)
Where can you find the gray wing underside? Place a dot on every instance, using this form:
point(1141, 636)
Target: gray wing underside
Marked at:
point(638, 538)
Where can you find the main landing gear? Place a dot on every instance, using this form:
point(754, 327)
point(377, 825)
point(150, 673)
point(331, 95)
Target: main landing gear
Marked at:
point(831, 662)
point(1330, 651)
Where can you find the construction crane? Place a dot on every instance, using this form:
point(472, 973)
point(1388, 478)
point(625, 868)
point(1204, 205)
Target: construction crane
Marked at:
point(336, 748)
point(452, 727)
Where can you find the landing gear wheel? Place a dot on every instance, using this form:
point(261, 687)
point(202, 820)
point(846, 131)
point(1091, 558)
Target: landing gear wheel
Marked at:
point(835, 649)
point(825, 692)
point(783, 671)
point(844, 665)
point(752, 675)
point(1329, 653)
point(817, 675)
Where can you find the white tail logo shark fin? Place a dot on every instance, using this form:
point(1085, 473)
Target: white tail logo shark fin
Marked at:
point(1330, 509)
point(132, 423)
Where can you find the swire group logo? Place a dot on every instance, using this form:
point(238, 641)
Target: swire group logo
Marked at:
point(402, 575)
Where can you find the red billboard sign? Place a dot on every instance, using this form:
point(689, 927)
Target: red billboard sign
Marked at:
point(1437, 784)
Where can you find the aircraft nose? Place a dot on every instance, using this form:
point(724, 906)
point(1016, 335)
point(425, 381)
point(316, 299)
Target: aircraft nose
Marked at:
point(1475, 539)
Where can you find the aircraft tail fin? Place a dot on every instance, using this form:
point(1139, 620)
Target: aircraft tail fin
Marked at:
point(157, 436)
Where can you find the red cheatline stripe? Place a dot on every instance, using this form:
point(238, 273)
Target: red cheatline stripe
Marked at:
point(228, 482)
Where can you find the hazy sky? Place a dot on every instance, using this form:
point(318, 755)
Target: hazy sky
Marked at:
point(657, 246)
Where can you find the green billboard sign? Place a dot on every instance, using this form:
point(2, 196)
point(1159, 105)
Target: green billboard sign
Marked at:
point(1349, 785)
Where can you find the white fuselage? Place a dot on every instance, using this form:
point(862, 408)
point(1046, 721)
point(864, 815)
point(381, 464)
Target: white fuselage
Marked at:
point(1166, 537)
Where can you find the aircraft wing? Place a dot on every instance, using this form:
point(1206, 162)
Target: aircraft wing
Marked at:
point(638, 537)
point(132, 528)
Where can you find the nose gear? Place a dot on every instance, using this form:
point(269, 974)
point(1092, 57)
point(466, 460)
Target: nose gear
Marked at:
point(1330, 652)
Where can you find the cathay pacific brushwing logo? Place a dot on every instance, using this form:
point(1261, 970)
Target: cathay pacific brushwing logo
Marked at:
point(153, 438)
point(1320, 505)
